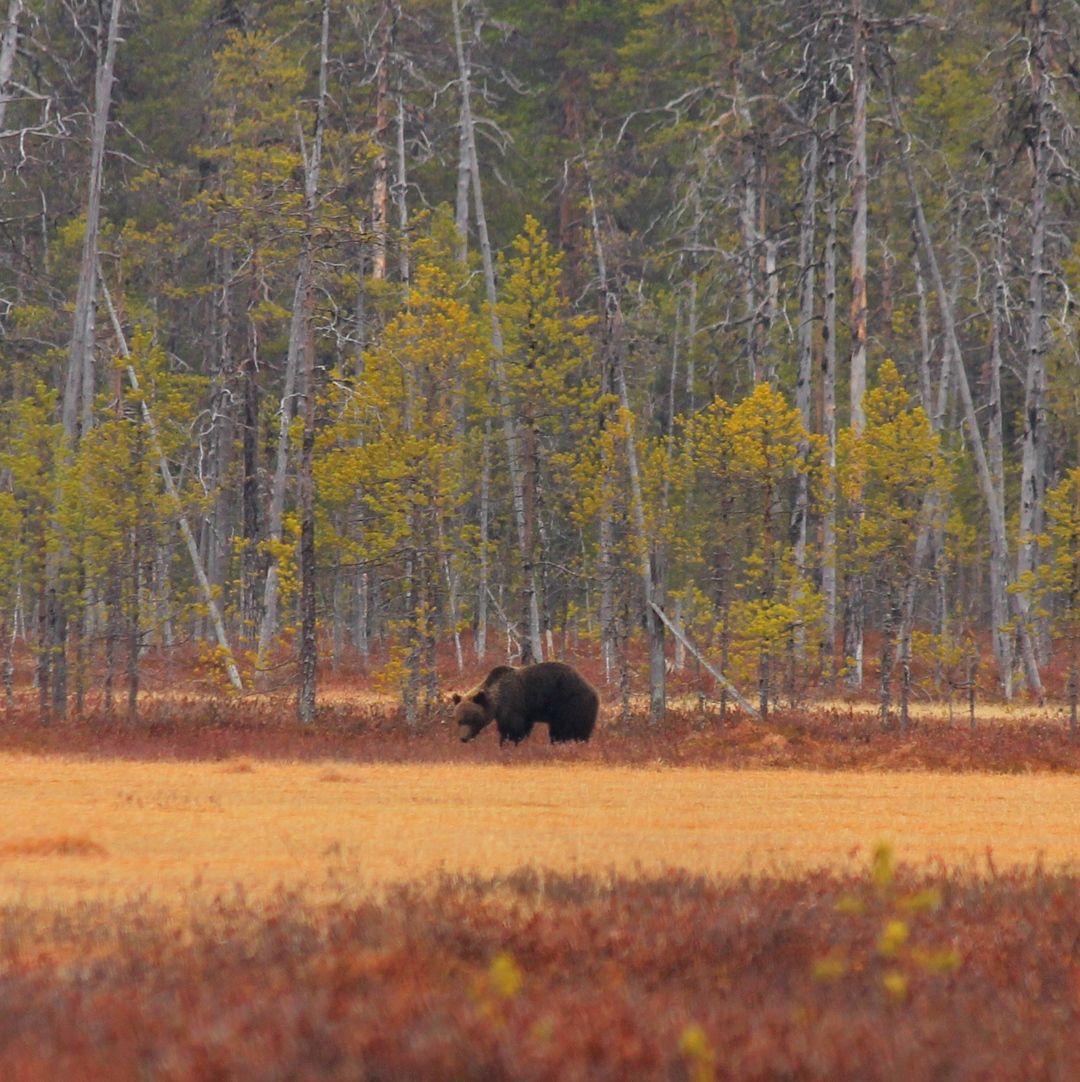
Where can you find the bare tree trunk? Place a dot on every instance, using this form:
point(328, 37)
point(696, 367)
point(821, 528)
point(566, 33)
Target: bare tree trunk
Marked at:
point(828, 397)
point(483, 584)
point(401, 189)
point(532, 641)
point(271, 587)
point(134, 629)
point(860, 32)
point(380, 194)
point(461, 208)
point(8, 42)
point(1033, 446)
point(748, 225)
point(79, 388)
point(77, 408)
point(855, 606)
point(1001, 637)
point(805, 339)
point(308, 654)
point(654, 626)
point(305, 697)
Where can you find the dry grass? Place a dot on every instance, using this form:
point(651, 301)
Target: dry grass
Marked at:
point(170, 828)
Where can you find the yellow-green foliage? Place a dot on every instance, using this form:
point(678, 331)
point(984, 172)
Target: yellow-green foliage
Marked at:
point(1057, 582)
point(28, 457)
point(887, 477)
point(257, 199)
point(392, 464)
point(742, 463)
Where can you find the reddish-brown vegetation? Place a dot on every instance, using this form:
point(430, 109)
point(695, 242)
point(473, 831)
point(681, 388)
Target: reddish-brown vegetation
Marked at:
point(64, 845)
point(914, 976)
point(200, 727)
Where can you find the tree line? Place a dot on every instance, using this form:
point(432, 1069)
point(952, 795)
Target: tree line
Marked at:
point(371, 329)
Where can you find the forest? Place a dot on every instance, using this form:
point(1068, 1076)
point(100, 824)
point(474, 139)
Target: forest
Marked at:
point(403, 335)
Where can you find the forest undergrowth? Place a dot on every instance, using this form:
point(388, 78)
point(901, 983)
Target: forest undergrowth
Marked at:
point(811, 738)
point(836, 736)
point(894, 973)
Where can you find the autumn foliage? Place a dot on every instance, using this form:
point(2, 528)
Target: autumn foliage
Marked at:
point(893, 974)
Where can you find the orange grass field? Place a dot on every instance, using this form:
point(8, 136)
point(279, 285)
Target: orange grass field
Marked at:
point(72, 828)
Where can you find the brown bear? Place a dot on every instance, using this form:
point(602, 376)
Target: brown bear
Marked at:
point(516, 699)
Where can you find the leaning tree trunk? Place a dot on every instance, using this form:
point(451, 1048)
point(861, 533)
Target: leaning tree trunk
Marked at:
point(206, 590)
point(999, 584)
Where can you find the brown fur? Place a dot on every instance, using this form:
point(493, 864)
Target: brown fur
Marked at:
point(516, 699)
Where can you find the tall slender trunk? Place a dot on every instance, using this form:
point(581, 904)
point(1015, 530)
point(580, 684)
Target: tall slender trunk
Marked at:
point(483, 585)
point(380, 192)
point(748, 212)
point(461, 207)
point(805, 339)
point(275, 517)
point(79, 387)
point(77, 408)
point(1001, 637)
point(855, 605)
point(532, 642)
point(647, 554)
point(308, 657)
point(860, 31)
point(134, 628)
point(299, 341)
point(8, 42)
point(401, 191)
point(828, 395)
point(1033, 445)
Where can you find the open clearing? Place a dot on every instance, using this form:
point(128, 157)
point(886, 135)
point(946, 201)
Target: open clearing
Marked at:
point(73, 828)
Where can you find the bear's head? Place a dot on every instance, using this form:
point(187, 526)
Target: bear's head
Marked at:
point(471, 714)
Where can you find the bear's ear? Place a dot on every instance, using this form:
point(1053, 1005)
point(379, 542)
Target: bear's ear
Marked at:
point(480, 698)
point(455, 698)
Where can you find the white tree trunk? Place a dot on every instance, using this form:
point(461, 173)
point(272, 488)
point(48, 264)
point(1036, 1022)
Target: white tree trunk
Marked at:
point(855, 607)
point(8, 42)
point(78, 401)
point(514, 455)
point(805, 337)
point(1033, 445)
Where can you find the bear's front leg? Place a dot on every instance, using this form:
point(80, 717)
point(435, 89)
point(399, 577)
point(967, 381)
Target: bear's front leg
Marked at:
point(513, 728)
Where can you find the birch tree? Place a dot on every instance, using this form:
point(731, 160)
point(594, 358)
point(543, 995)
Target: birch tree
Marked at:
point(531, 639)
